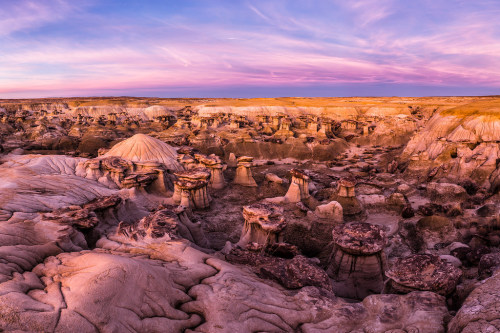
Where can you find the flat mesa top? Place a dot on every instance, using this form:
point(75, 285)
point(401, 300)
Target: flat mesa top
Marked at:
point(75, 102)
point(359, 238)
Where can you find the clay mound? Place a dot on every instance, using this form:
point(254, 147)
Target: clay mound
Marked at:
point(143, 148)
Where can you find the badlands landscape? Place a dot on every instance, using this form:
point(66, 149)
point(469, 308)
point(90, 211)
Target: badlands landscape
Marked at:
point(250, 215)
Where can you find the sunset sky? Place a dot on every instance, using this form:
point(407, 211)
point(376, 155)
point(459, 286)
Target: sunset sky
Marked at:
point(211, 48)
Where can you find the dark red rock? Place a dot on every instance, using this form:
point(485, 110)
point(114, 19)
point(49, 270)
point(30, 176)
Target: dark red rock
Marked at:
point(103, 203)
point(297, 273)
point(430, 209)
point(474, 256)
point(424, 272)
point(359, 238)
point(291, 273)
point(408, 212)
point(488, 264)
point(79, 217)
point(156, 225)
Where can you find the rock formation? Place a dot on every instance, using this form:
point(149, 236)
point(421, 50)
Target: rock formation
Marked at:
point(357, 263)
point(371, 215)
point(216, 167)
point(143, 148)
point(244, 172)
point(264, 223)
point(299, 187)
point(423, 272)
point(192, 184)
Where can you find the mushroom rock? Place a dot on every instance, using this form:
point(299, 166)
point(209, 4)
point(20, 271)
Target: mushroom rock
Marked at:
point(188, 162)
point(139, 180)
point(214, 164)
point(346, 188)
point(346, 196)
point(142, 148)
point(118, 172)
point(163, 182)
point(299, 186)
point(232, 162)
point(115, 168)
point(92, 169)
point(244, 173)
point(358, 261)
point(425, 272)
point(264, 223)
point(193, 193)
point(193, 182)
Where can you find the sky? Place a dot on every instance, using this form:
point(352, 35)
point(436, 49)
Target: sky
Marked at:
point(259, 48)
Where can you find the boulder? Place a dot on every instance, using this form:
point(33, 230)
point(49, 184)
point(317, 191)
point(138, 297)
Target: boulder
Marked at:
point(423, 272)
point(332, 211)
point(446, 192)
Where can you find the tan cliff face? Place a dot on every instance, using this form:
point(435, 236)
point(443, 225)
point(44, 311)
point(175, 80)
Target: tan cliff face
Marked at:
point(463, 142)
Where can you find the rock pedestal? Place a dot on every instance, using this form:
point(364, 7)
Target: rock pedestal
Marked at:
point(299, 186)
point(190, 190)
point(357, 263)
point(346, 188)
point(264, 223)
point(163, 182)
point(244, 173)
point(188, 162)
point(214, 164)
point(346, 196)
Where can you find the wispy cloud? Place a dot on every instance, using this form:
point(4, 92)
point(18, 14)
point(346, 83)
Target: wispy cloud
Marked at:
point(26, 15)
point(260, 43)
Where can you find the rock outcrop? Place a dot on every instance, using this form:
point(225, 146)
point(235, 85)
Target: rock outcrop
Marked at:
point(143, 148)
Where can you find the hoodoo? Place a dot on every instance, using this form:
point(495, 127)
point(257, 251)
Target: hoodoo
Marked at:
point(358, 262)
point(299, 186)
point(244, 172)
point(264, 223)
